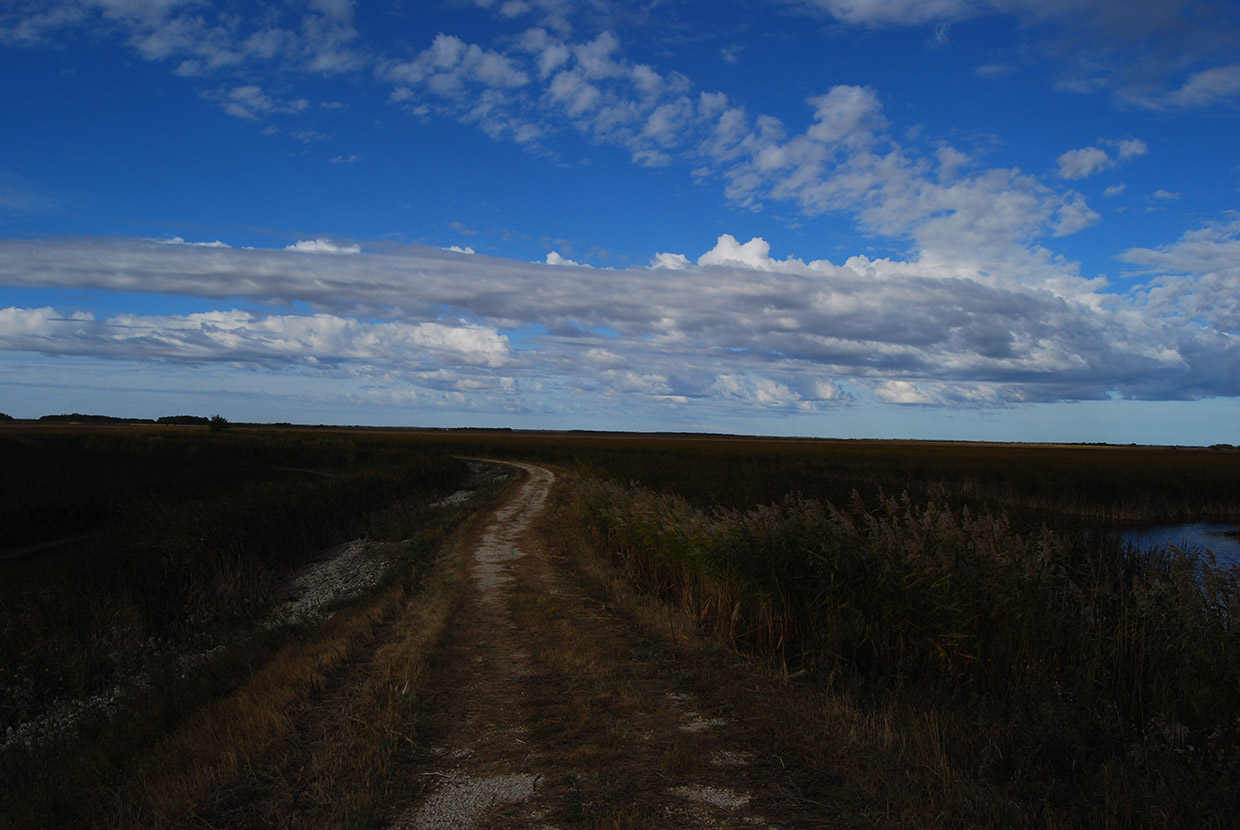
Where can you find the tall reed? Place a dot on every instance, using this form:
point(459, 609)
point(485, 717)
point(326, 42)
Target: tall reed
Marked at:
point(1087, 664)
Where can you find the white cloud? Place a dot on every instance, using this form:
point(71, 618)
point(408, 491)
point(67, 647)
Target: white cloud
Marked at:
point(449, 65)
point(458, 249)
point(1074, 215)
point(626, 381)
point(671, 262)
point(1080, 164)
point(1209, 87)
point(554, 258)
point(317, 37)
point(843, 160)
point(901, 392)
point(756, 254)
point(176, 240)
point(760, 391)
point(250, 102)
point(902, 12)
point(1114, 190)
point(849, 114)
point(244, 337)
point(827, 391)
point(742, 328)
point(1196, 277)
point(323, 246)
point(1131, 148)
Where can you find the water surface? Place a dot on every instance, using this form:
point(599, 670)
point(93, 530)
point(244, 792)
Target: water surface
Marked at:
point(1220, 538)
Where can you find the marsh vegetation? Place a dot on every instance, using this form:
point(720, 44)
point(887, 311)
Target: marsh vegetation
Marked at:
point(968, 596)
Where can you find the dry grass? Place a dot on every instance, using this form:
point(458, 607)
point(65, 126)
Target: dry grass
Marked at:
point(683, 756)
point(317, 730)
point(1061, 668)
point(816, 753)
point(213, 760)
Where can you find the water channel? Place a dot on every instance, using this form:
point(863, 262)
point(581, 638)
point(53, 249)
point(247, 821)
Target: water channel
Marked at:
point(1220, 538)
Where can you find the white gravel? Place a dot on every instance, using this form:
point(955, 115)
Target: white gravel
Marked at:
point(714, 796)
point(461, 800)
point(346, 572)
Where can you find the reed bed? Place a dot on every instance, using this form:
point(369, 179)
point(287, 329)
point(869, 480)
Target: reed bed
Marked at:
point(1098, 683)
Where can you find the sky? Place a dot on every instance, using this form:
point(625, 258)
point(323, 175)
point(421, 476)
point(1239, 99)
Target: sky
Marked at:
point(1002, 220)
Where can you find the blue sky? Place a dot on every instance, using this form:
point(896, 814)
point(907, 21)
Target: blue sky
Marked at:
point(977, 219)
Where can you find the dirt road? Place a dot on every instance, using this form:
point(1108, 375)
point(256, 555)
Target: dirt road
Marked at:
point(548, 707)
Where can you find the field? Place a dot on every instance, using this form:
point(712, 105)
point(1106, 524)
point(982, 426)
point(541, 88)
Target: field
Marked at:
point(971, 587)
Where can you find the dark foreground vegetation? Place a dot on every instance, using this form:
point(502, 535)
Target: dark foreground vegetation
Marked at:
point(972, 587)
point(141, 560)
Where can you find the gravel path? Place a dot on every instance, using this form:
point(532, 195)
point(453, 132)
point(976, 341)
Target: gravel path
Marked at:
point(539, 714)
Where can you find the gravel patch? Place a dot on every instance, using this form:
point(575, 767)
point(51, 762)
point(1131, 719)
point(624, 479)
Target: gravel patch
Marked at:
point(729, 758)
point(459, 497)
point(462, 800)
point(346, 572)
point(713, 796)
point(694, 722)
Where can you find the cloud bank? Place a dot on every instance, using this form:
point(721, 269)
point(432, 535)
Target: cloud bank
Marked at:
point(736, 326)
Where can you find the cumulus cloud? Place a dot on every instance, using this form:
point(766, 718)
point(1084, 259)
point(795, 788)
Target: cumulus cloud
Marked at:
point(755, 254)
point(1080, 164)
point(902, 392)
point(1087, 161)
point(250, 102)
point(670, 262)
point(323, 246)
point(738, 327)
point(317, 37)
point(554, 258)
point(1196, 277)
point(1131, 148)
point(449, 64)
point(1209, 87)
point(531, 87)
point(976, 312)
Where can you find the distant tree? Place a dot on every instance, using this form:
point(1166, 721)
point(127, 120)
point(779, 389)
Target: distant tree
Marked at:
point(4, 417)
point(184, 420)
point(218, 423)
point(80, 418)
